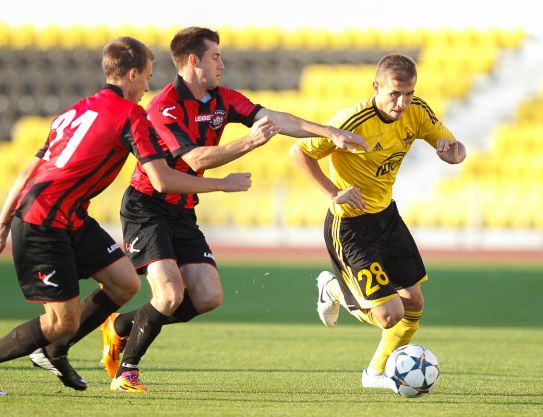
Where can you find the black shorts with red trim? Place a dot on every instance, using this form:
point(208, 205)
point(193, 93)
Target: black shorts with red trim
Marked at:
point(154, 230)
point(50, 262)
point(373, 255)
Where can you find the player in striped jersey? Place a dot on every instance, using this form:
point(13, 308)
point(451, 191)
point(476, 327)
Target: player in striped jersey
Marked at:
point(55, 241)
point(377, 266)
point(160, 230)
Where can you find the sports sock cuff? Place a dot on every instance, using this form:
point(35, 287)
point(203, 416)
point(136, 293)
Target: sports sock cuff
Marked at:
point(101, 299)
point(123, 323)
point(37, 334)
point(153, 314)
point(412, 315)
point(185, 312)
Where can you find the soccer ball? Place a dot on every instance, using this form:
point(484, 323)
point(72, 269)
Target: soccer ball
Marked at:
point(414, 369)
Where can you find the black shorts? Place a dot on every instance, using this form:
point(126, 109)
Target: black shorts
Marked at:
point(154, 229)
point(50, 262)
point(373, 255)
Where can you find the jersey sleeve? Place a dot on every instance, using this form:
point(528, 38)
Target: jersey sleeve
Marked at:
point(242, 110)
point(139, 137)
point(168, 120)
point(316, 148)
point(431, 128)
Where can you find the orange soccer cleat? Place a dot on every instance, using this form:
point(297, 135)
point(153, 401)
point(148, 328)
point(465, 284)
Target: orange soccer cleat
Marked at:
point(112, 345)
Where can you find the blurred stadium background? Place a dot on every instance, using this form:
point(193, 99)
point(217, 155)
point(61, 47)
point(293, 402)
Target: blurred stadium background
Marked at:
point(481, 70)
point(482, 78)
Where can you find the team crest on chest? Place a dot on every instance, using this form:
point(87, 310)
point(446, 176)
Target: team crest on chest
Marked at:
point(215, 120)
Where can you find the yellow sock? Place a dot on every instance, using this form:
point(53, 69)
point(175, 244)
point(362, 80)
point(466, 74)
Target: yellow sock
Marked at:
point(391, 339)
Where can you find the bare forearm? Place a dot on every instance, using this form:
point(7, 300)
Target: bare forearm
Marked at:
point(291, 125)
point(313, 171)
point(206, 157)
point(24, 176)
point(6, 215)
point(167, 180)
point(180, 183)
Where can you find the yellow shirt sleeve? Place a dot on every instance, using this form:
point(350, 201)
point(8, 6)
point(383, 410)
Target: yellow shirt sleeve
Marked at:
point(317, 148)
point(431, 129)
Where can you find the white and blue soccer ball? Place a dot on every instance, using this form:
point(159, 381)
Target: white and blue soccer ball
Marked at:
point(414, 369)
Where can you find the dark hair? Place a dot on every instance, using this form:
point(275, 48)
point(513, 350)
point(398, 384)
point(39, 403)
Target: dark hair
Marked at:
point(191, 41)
point(124, 53)
point(399, 67)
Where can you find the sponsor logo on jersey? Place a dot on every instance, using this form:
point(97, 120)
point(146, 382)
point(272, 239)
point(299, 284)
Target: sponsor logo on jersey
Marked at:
point(203, 118)
point(131, 247)
point(390, 164)
point(113, 248)
point(166, 112)
point(377, 147)
point(45, 278)
point(215, 120)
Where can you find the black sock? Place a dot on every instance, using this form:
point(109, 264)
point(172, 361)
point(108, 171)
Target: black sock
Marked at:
point(147, 325)
point(185, 312)
point(123, 323)
point(95, 308)
point(22, 340)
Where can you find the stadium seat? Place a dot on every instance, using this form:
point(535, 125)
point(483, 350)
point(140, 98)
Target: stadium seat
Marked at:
point(310, 72)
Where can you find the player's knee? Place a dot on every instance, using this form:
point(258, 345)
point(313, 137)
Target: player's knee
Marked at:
point(59, 327)
point(416, 304)
point(388, 317)
point(123, 289)
point(390, 320)
point(167, 298)
point(210, 302)
point(70, 327)
point(389, 313)
point(132, 287)
point(128, 289)
point(172, 300)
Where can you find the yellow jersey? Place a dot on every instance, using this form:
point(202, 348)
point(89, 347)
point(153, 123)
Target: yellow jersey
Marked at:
point(374, 171)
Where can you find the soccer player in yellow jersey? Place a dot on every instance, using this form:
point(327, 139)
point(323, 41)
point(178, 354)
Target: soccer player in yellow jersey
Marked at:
point(378, 268)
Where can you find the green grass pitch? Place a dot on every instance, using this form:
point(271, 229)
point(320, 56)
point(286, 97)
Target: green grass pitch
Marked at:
point(264, 352)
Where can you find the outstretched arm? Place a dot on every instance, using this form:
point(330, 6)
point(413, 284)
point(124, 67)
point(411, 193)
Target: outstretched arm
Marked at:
point(452, 152)
point(6, 215)
point(167, 180)
point(297, 127)
point(313, 171)
point(205, 157)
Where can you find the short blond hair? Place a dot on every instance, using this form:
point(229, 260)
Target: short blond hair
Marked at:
point(397, 66)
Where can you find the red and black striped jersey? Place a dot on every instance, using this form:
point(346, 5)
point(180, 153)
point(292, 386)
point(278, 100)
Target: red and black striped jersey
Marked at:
point(182, 123)
point(84, 152)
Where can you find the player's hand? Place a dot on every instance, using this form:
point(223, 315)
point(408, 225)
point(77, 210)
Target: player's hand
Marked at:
point(4, 232)
point(450, 151)
point(237, 182)
point(262, 131)
point(350, 196)
point(348, 140)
